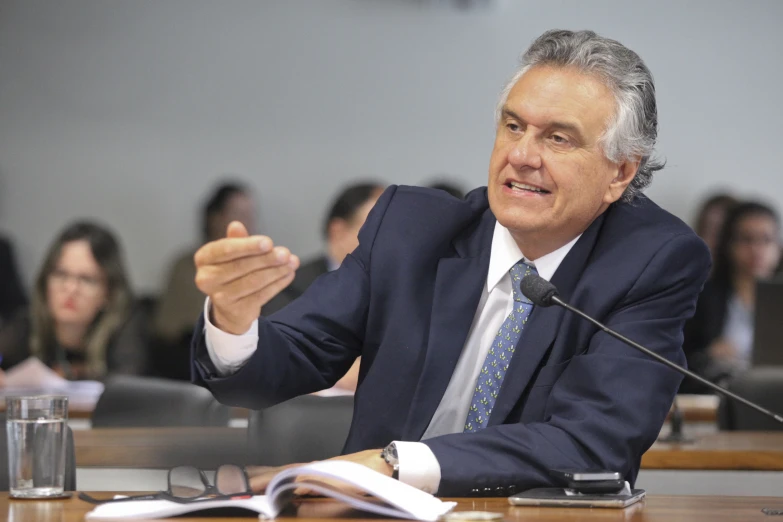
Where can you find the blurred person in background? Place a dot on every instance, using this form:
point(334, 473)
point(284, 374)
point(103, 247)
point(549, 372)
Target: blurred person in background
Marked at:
point(710, 218)
point(449, 186)
point(340, 230)
point(79, 321)
point(181, 302)
point(12, 296)
point(719, 338)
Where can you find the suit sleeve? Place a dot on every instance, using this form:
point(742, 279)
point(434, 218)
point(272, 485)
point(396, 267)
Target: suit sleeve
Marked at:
point(607, 407)
point(310, 344)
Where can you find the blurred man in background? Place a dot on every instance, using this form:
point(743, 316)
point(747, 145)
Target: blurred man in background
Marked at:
point(341, 233)
point(182, 302)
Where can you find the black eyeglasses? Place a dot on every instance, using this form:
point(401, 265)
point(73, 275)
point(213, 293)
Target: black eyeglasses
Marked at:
point(189, 484)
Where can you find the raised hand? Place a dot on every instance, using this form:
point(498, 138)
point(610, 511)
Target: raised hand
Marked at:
point(240, 274)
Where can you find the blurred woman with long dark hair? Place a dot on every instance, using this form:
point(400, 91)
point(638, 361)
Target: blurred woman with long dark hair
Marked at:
point(79, 310)
point(719, 338)
point(710, 218)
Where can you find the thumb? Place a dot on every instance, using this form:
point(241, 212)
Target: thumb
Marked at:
point(236, 229)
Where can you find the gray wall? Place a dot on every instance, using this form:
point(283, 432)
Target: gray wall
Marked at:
point(127, 111)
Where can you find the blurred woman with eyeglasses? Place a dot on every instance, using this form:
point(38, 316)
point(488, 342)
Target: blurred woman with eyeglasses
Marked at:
point(719, 337)
point(78, 320)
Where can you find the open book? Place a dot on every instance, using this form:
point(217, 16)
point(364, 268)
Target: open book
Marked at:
point(387, 497)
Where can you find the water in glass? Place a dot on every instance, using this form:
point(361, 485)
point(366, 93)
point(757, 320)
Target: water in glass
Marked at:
point(36, 453)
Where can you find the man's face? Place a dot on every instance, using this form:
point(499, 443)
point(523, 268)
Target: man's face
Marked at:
point(548, 176)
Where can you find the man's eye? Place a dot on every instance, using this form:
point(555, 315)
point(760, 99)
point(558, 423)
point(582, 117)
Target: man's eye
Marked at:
point(559, 139)
point(512, 127)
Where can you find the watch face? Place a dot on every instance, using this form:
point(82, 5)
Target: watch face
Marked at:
point(390, 454)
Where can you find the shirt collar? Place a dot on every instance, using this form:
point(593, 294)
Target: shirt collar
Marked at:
point(331, 264)
point(505, 254)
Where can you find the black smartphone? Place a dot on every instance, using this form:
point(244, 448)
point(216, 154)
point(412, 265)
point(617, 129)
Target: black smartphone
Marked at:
point(598, 481)
point(556, 497)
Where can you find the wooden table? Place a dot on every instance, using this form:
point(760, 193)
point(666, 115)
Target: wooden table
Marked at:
point(678, 508)
point(162, 448)
point(698, 408)
point(84, 411)
point(729, 450)
point(695, 408)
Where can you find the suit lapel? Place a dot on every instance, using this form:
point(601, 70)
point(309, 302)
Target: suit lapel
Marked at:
point(458, 285)
point(543, 325)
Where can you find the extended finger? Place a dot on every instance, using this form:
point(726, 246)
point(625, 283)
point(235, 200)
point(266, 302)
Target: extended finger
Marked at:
point(252, 283)
point(236, 229)
point(260, 481)
point(261, 476)
point(228, 249)
point(267, 293)
point(210, 277)
point(257, 300)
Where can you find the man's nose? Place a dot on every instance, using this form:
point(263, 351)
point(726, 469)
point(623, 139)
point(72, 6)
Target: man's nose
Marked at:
point(526, 153)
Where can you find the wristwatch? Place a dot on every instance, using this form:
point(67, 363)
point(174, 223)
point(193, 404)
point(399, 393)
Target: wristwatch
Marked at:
point(389, 454)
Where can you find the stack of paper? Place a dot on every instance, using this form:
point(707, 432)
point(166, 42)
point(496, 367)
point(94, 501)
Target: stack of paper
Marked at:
point(32, 377)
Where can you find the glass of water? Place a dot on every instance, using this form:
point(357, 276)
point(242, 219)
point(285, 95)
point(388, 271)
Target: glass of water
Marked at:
point(36, 428)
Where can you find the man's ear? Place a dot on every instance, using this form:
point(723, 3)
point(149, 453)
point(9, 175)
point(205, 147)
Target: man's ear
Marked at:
point(626, 171)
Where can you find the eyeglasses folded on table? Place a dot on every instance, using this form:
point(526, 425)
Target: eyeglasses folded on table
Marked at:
point(189, 484)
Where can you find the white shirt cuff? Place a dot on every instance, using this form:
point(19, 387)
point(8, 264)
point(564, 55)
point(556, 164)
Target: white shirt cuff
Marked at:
point(228, 352)
point(418, 466)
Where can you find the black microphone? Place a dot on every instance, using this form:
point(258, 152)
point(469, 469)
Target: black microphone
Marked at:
point(544, 293)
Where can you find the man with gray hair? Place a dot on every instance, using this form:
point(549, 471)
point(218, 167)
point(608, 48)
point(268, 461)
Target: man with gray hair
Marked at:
point(470, 387)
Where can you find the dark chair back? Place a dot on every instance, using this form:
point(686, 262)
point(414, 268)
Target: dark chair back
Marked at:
point(130, 401)
point(303, 429)
point(70, 461)
point(763, 385)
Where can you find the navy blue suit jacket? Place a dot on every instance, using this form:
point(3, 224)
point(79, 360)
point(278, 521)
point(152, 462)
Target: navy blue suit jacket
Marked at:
point(573, 397)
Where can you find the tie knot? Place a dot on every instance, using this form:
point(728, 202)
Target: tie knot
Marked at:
point(519, 272)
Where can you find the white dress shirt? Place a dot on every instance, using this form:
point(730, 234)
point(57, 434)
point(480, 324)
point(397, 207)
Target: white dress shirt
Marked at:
point(418, 465)
point(738, 330)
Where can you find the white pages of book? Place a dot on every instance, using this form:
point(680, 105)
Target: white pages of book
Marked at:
point(388, 497)
point(399, 500)
point(151, 509)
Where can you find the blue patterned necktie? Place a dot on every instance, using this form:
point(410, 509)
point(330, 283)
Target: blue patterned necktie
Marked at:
point(499, 356)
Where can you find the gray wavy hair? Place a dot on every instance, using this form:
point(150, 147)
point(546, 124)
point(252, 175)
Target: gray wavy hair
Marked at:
point(633, 130)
